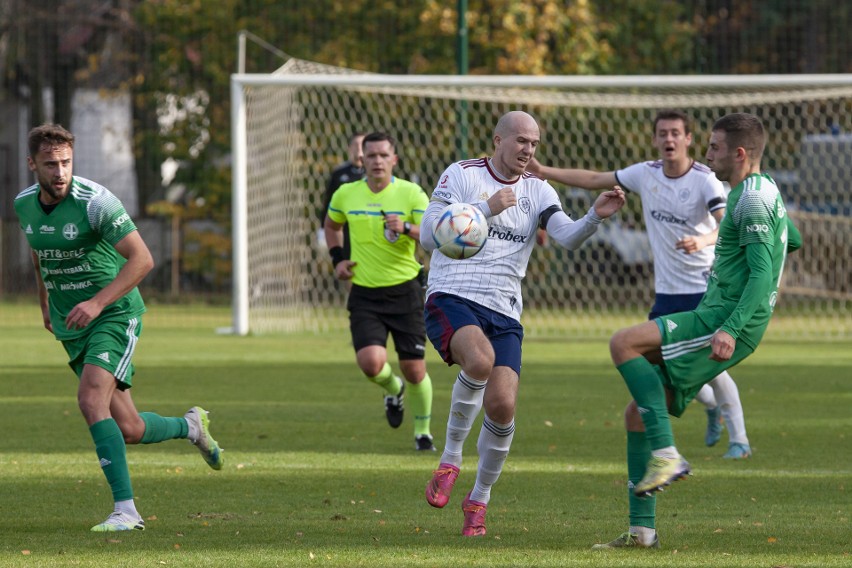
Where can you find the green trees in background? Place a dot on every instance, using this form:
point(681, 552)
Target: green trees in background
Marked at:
point(176, 56)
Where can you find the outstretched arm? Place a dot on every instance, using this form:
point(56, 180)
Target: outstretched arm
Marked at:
point(609, 202)
point(570, 234)
point(586, 179)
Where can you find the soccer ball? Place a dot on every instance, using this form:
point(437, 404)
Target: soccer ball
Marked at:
point(460, 231)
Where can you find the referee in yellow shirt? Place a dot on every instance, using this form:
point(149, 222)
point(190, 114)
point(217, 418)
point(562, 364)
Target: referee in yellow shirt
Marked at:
point(383, 214)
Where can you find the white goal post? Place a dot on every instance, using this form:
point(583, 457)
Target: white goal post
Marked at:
point(290, 128)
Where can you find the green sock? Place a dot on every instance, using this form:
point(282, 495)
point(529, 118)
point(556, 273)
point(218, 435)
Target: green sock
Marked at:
point(642, 509)
point(419, 399)
point(109, 445)
point(387, 380)
point(644, 384)
point(159, 428)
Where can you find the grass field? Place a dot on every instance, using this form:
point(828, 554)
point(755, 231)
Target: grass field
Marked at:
point(314, 476)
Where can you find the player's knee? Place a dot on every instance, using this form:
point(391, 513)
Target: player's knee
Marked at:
point(371, 361)
point(92, 405)
point(473, 352)
point(619, 345)
point(478, 362)
point(414, 370)
point(500, 411)
point(479, 366)
point(371, 368)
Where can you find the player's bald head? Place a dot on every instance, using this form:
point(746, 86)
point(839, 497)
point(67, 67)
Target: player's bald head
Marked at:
point(516, 137)
point(513, 122)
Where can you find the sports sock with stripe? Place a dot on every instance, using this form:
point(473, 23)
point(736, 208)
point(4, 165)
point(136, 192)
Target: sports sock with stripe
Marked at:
point(493, 445)
point(464, 408)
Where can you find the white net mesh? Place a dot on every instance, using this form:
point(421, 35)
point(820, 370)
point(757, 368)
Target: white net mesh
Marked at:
point(297, 133)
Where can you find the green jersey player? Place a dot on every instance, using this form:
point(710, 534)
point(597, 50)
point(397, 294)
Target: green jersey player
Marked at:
point(88, 259)
point(666, 361)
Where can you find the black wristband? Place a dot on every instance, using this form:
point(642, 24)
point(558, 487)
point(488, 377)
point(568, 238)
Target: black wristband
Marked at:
point(406, 228)
point(337, 255)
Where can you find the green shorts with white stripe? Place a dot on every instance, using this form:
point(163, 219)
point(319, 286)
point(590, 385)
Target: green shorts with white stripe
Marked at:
point(108, 344)
point(686, 353)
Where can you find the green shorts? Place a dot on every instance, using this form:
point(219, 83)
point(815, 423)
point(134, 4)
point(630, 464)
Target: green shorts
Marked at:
point(686, 353)
point(108, 344)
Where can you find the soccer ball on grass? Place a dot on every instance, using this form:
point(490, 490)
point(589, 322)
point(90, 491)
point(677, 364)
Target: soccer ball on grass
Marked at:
point(460, 231)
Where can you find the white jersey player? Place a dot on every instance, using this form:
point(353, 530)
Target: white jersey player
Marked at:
point(682, 204)
point(473, 306)
point(674, 208)
point(492, 278)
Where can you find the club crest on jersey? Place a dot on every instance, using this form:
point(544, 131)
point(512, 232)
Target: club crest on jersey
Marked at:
point(70, 232)
point(390, 235)
point(524, 204)
point(683, 195)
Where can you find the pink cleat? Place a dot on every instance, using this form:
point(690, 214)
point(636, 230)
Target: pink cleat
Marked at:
point(474, 517)
point(441, 485)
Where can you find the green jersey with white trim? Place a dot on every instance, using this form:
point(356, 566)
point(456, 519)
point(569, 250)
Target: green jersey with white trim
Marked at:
point(744, 280)
point(383, 257)
point(75, 245)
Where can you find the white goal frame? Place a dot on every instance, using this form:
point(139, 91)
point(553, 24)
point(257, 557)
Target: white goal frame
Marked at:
point(240, 81)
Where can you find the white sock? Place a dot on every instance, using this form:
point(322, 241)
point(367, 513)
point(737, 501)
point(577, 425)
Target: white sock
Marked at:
point(645, 535)
point(464, 408)
point(493, 446)
point(728, 396)
point(706, 397)
point(191, 431)
point(127, 508)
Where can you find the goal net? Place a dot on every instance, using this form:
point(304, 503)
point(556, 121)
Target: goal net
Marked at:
point(291, 128)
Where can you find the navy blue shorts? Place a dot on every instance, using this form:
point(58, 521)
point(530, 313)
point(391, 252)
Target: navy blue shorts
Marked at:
point(445, 313)
point(665, 304)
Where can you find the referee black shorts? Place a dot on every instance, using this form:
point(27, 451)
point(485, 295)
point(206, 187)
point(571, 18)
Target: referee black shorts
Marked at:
point(396, 310)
